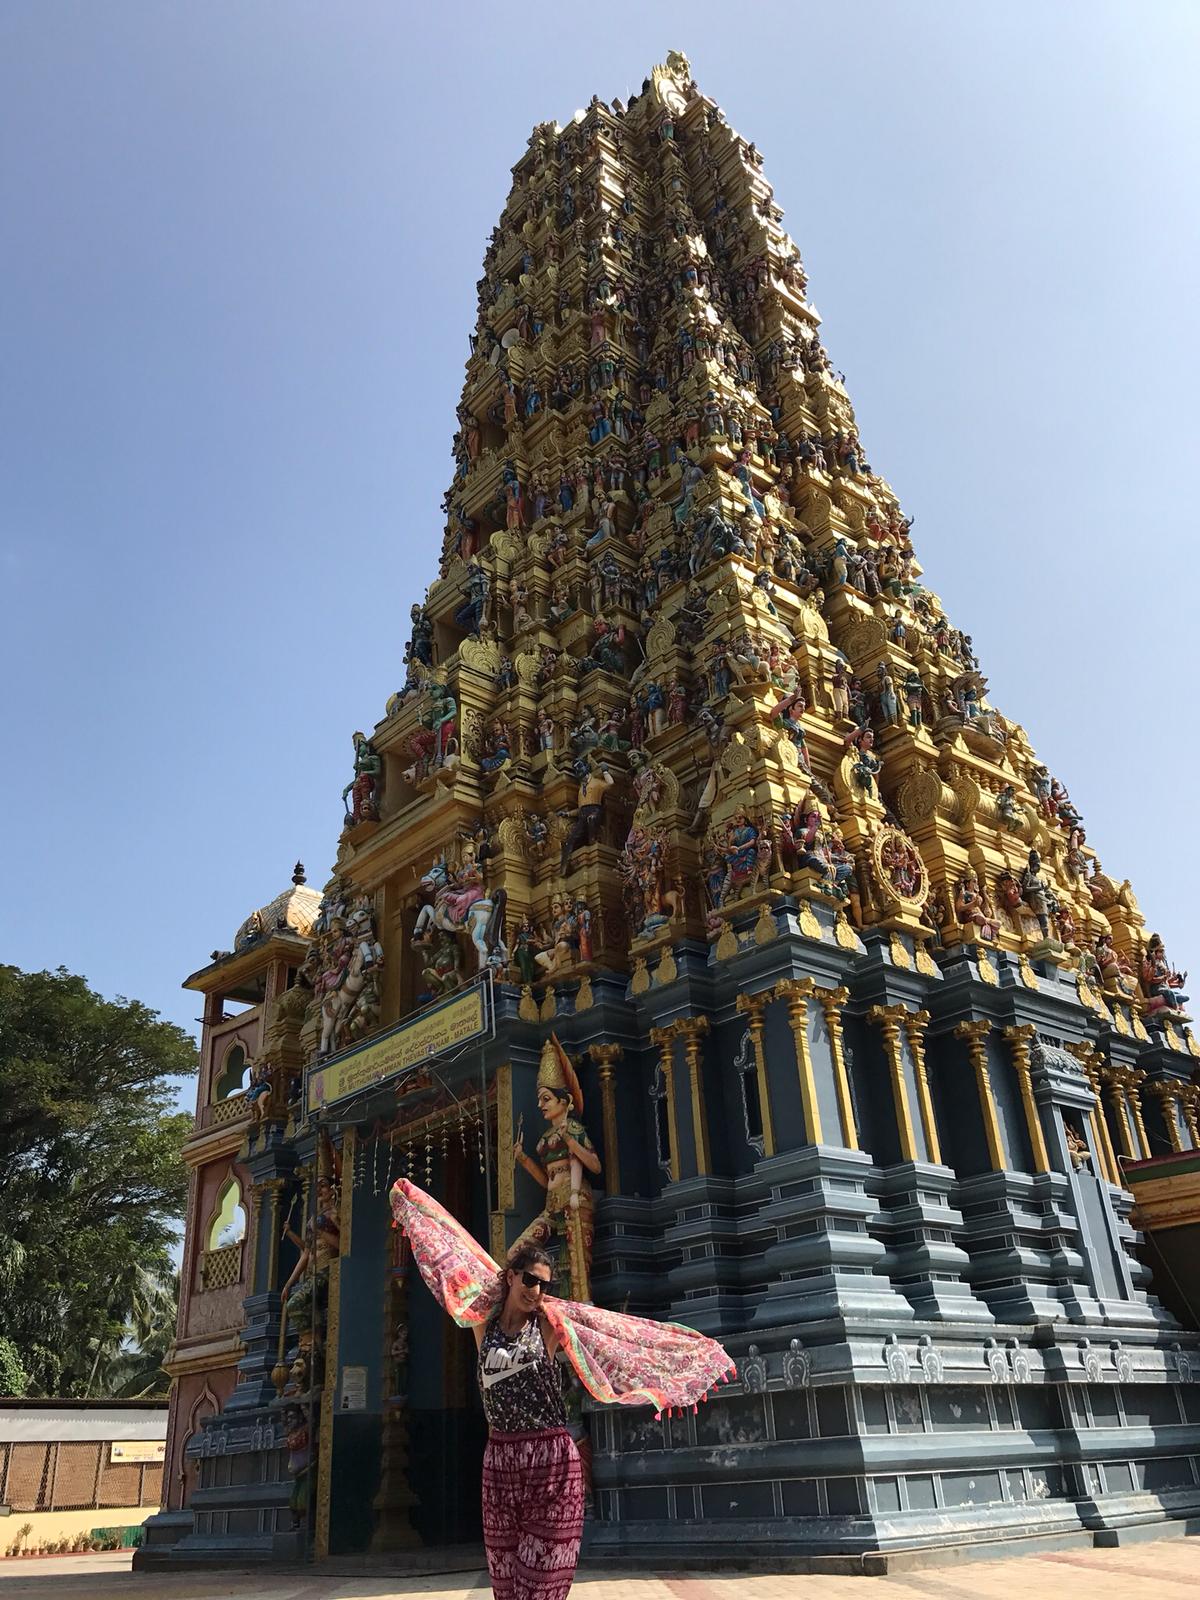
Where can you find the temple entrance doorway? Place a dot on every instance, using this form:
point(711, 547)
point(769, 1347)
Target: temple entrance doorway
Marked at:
point(446, 1427)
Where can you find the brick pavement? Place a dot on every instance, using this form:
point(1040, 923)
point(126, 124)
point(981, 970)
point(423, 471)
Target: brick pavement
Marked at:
point(1166, 1569)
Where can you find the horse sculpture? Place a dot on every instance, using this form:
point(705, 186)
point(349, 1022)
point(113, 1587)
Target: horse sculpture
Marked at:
point(458, 904)
point(350, 999)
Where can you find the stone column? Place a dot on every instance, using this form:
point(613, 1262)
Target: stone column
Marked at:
point(797, 993)
point(976, 1034)
point(394, 1499)
point(754, 1005)
point(692, 1030)
point(664, 1038)
point(1164, 1093)
point(324, 1440)
point(1018, 1041)
point(265, 1236)
point(831, 1002)
point(915, 1025)
point(605, 1056)
point(890, 1019)
point(1133, 1087)
point(1190, 1098)
point(918, 1220)
point(506, 1184)
point(1113, 1079)
point(1088, 1060)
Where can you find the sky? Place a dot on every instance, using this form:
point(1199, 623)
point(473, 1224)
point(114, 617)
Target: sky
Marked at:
point(238, 255)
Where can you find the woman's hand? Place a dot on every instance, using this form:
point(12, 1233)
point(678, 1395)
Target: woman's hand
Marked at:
point(574, 1199)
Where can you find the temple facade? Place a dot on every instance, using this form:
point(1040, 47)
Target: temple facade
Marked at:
point(692, 776)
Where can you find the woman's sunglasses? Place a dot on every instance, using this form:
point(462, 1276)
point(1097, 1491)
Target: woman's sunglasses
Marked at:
point(532, 1281)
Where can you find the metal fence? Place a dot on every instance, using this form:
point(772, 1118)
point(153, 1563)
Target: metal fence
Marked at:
point(74, 1476)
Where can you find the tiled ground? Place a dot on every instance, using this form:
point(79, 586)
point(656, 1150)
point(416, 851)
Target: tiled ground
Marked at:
point(1162, 1570)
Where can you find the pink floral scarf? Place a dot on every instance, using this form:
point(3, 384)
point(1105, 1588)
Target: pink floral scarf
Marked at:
point(629, 1361)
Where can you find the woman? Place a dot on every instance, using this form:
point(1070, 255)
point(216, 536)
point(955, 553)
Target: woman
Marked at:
point(532, 1492)
point(532, 1484)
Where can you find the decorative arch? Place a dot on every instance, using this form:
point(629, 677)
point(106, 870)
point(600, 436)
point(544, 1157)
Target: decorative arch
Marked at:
point(228, 1219)
point(205, 1405)
point(234, 1074)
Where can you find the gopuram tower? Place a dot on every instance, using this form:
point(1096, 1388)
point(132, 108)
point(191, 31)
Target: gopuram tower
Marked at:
point(691, 773)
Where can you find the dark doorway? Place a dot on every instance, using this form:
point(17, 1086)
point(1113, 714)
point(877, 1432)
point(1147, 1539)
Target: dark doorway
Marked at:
point(447, 1430)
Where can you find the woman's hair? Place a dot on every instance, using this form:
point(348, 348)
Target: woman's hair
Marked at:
point(530, 1255)
point(559, 1094)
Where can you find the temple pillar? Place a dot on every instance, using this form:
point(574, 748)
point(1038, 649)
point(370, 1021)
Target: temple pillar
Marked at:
point(394, 1498)
point(323, 1443)
point(889, 1019)
point(1018, 1040)
point(1113, 1080)
point(797, 992)
point(915, 1024)
point(832, 1002)
point(506, 1181)
point(926, 1263)
point(664, 1038)
point(754, 1005)
point(692, 1031)
point(1134, 1079)
point(1190, 1100)
point(975, 1034)
point(1168, 1100)
point(1085, 1054)
point(606, 1056)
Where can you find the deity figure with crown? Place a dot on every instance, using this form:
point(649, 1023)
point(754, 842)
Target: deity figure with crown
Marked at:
point(1161, 984)
point(565, 1158)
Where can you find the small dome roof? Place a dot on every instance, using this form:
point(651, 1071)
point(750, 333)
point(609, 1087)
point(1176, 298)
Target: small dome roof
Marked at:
point(293, 911)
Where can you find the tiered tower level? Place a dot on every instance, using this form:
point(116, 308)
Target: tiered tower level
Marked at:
point(667, 557)
point(691, 761)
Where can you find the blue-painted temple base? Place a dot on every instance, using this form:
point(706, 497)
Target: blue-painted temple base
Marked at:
point(937, 1343)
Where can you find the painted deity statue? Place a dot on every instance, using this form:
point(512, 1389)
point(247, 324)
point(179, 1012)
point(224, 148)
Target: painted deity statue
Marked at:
point(974, 909)
point(1036, 892)
point(642, 866)
point(360, 797)
point(458, 903)
point(440, 716)
point(348, 968)
point(585, 828)
point(442, 972)
point(746, 851)
point(565, 1158)
point(562, 949)
point(1115, 973)
point(1161, 984)
point(319, 1244)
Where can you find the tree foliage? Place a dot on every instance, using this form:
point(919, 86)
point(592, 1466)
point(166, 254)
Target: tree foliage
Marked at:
point(91, 1183)
point(13, 1377)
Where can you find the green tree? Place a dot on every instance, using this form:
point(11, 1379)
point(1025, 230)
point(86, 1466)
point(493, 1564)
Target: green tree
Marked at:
point(91, 1182)
point(137, 1369)
point(13, 1377)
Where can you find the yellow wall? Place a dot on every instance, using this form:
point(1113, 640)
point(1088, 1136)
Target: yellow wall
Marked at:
point(48, 1527)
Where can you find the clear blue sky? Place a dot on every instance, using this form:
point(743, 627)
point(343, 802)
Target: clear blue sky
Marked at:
point(238, 251)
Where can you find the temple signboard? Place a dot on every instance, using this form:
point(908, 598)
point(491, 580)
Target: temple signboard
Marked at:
point(455, 1022)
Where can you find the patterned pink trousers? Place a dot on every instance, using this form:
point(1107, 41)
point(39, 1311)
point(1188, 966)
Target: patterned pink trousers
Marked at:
point(532, 1513)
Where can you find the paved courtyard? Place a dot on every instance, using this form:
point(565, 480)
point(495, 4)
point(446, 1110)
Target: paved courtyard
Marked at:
point(1163, 1570)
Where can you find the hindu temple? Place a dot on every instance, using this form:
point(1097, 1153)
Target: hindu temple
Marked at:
point(693, 805)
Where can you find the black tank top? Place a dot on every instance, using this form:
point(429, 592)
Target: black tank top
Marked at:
point(520, 1384)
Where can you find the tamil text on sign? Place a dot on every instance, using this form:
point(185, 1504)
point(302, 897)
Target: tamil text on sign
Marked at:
point(453, 1023)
